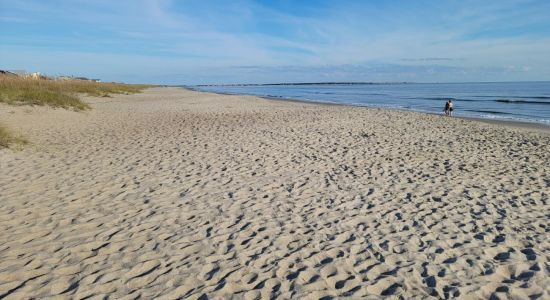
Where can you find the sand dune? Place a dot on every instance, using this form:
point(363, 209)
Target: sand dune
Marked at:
point(178, 194)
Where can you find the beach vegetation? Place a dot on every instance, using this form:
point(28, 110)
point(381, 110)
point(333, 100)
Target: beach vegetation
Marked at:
point(8, 139)
point(59, 93)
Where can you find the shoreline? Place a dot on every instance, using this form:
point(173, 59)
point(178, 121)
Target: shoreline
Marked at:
point(511, 123)
point(539, 127)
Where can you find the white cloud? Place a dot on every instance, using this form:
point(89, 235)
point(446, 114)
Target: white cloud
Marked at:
point(166, 36)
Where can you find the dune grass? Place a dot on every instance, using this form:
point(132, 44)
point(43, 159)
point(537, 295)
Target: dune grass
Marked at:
point(8, 139)
point(58, 93)
point(54, 93)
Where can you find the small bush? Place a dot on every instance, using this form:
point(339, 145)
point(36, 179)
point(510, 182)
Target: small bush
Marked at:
point(54, 99)
point(7, 139)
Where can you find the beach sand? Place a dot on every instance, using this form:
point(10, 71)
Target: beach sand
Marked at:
point(179, 194)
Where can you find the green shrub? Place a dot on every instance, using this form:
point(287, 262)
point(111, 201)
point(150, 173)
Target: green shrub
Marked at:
point(7, 139)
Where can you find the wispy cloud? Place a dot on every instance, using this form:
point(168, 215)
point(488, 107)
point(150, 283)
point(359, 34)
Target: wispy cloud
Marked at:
point(6, 19)
point(405, 40)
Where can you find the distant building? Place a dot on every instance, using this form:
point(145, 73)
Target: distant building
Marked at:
point(86, 79)
point(35, 75)
point(21, 73)
point(7, 73)
point(38, 75)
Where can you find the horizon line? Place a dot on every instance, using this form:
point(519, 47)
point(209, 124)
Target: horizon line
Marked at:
point(356, 83)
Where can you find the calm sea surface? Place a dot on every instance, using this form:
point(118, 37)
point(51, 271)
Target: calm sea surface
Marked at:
point(520, 101)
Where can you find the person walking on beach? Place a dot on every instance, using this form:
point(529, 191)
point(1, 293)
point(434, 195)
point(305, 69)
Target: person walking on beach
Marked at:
point(449, 108)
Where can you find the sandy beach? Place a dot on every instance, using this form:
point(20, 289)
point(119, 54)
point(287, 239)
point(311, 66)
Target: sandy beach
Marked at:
point(174, 194)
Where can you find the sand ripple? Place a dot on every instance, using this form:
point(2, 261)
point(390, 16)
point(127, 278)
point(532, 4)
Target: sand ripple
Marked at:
point(176, 194)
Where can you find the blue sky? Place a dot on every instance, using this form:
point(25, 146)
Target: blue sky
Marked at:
point(244, 41)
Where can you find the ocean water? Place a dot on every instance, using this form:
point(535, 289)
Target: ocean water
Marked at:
point(520, 101)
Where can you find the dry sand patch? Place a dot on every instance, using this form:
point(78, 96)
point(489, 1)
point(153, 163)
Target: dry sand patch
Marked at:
point(179, 194)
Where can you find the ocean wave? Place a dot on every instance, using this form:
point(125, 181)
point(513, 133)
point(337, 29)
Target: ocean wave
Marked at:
point(445, 99)
point(510, 96)
point(348, 94)
point(371, 94)
point(489, 112)
point(522, 101)
point(323, 93)
point(528, 97)
point(517, 119)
